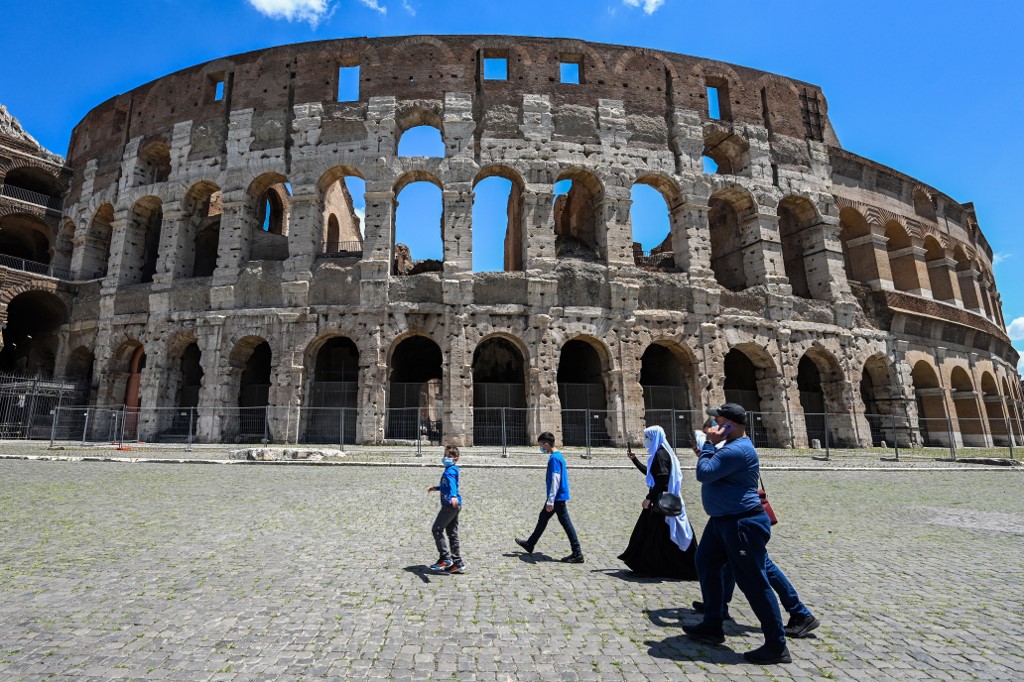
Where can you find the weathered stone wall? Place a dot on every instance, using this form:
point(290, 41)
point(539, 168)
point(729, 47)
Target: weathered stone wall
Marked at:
point(776, 205)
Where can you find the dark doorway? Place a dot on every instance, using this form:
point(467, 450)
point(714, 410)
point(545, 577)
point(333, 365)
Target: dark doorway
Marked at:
point(254, 394)
point(667, 401)
point(581, 391)
point(415, 398)
point(499, 394)
point(333, 395)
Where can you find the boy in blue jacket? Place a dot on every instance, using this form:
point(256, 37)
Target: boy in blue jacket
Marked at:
point(557, 480)
point(447, 520)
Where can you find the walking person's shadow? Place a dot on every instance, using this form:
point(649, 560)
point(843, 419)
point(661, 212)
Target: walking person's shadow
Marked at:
point(420, 570)
point(682, 648)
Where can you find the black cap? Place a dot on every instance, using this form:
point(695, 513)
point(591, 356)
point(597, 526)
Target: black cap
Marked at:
point(546, 437)
point(734, 412)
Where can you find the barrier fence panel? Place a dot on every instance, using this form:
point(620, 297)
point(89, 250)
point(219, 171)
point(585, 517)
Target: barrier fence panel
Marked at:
point(328, 425)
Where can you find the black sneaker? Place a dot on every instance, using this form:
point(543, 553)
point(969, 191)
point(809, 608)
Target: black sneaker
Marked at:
point(702, 632)
point(574, 558)
point(801, 626)
point(765, 656)
point(525, 545)
point(698, 607)
point(455, 568)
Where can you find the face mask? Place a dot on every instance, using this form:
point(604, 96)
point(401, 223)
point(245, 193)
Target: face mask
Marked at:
point(542, 450)
point(447, 461)
point(647, 442)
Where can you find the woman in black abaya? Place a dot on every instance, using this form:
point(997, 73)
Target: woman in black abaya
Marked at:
point(661, 546)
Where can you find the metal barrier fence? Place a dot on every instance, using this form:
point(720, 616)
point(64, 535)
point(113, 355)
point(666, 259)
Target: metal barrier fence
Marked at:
point(504, 429)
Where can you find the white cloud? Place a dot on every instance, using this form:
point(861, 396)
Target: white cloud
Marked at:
point(311, 11)
point(650, 6)
point(1015, 330)
point(408, 8)
point(374, 5)
point(1000, 257)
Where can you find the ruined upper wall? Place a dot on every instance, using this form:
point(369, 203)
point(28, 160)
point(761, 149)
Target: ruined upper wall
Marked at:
point(651, 83)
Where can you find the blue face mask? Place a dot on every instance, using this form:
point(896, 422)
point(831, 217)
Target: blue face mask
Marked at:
point(447, 461)
point(647, 443)
point(542, 450)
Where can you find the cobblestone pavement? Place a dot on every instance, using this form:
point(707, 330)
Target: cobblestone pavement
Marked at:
point(177, 571)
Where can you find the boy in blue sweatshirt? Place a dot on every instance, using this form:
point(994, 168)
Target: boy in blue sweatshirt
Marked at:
point(557, 480)
point(447, 520)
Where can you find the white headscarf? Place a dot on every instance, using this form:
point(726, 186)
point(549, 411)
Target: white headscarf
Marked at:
point(678, 526)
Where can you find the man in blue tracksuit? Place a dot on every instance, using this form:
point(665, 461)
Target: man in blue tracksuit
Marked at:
point(557, 480)
point(736, 534)
point(447, 520)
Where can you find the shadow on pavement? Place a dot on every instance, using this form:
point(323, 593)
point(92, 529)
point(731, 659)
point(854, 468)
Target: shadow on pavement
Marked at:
point(682, 648)
point(677, 617)
point(535, 558)
point(420, 570)
point(631, 577)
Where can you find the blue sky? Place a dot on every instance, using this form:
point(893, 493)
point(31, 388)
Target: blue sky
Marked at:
point(933, 89)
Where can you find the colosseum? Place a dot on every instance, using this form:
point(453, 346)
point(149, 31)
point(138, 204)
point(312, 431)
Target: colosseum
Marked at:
point(200, 262)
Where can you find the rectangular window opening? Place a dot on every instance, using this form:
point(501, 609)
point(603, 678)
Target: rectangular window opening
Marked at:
point(714, 108)
point(348, 84)
point(495, 68)
point(570, 68)
point(218, 92)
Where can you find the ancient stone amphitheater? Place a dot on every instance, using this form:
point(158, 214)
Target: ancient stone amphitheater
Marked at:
point(207, 268)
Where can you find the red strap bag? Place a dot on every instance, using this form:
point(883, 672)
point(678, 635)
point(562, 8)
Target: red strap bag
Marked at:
point(765, 503)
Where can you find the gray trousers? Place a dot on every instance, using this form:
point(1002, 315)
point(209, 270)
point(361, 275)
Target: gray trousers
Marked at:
point(447, 521)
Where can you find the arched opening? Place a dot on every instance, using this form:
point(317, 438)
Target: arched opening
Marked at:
point(879, 397)
point(191, 376)
point(931, 406)
point(729, 153)
point(498, 236)
point(752, 380)
point(581, 391)
point(923, 204)
point(133, 392)
point(938, 270)
point(667, 376)
point(253, 356)
point(741, 381)
point(796, 217)
point(965, 402)
point(270, 195)
point(902, 259)
point(154, 164)
point(1013, 412)
point(728, 212)
point(419, 226)
point(96, 248)
point(499, 394)
point(967, 274)
point(650, 216)
point(334, 392)
point(342, 212)
point(858, 247)
point(142, 242)
point(997, 421)
point(422, 141)
point(199, 244)
point(579, 227)
point(416, 393)
point(24, 237)
point(30, 334)
point(64, 247)
point(33, 185)
point(812, 399)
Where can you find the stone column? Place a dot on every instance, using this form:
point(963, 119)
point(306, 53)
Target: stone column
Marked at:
point(762, 250)
point(945, 270)
point(910, 270)
point(209, 412)
point(691, 239)
point(456, 228)
point(538, 228)
point(457, 372)
point(304, 236)
point(232, 248)
point(823, 260)
point(870, 254)
point(970, 291)
point(373, 401)
point(542, 383)
point(120, 271)
point(378, 244)
point(614, 216)
point(176, 249)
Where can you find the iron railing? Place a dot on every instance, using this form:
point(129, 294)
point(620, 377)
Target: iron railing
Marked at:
point(26, 265)
point(341, 249)
point(32, 197)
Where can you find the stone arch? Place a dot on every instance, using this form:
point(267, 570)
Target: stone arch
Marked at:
point(965, 402)
point(514, 243)
point(95, 258)
point(994, 411)
point(858, 247)
point(340, 231)
point(582, 376)
point(729, 151)
point(938, 270)
point(902, 258)
point(269, 208)
point(30, 332)
point(415, 389)
point(199, 234)
point(580, 230)
point(332, 365)
point(731, 209)
point(967, 274)
point(797, 217)
point(154, 164)
point(668, 378)
point(931, 405)
point(641, 71)
point(751, 378)
point(250, 368)
point(500, 363)
point(662, 254)
point(878, 391)
point(25, 237)
point(924, 204)
point(822, 388)
point(404, 263)
point(36, 185)
point(141, 248)
point(402, 47)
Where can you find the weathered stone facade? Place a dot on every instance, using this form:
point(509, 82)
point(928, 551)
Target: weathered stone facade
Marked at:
point(188, 292)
